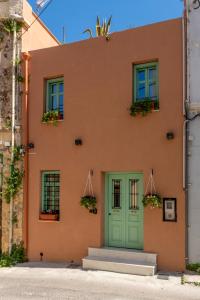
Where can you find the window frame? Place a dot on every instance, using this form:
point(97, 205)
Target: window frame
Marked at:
point(43, 173)
point(145, 66)
point(48, 93)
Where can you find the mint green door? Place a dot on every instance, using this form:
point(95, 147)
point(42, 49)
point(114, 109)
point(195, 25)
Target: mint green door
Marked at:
point(124, 210)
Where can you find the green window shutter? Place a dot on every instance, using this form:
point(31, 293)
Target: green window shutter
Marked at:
point(50, 191)
point(55, 96)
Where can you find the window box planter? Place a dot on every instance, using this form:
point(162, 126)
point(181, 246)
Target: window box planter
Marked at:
point(52, 117)
point(143, 107)
point(45, 216)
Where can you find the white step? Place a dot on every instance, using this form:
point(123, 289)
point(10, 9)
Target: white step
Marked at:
point(121, 253)
point(119, 265)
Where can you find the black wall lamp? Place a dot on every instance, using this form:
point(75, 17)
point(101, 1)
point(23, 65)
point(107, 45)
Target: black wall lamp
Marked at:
point(30, 146)
point(78, 142)
point(170, 135)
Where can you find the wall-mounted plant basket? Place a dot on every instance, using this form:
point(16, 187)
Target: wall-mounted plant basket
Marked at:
point(153, 200)
point(88, 200)
point(143, 107)
point(151, 197)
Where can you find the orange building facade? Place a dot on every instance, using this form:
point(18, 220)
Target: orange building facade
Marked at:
point(93, 84)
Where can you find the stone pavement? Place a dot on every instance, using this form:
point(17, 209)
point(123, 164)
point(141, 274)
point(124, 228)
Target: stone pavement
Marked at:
point(68, 281)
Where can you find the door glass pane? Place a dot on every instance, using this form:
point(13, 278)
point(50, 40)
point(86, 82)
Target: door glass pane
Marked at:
point(116, 188)
point(141, 91)
point(133, 188)
point(141, 75)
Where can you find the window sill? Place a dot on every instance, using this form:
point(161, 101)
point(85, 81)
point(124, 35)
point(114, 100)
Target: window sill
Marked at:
point(49, 217)
point(51, 122)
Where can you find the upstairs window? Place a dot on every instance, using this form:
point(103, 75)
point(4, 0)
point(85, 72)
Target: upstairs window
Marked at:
point(146, 83)
point(55, 96)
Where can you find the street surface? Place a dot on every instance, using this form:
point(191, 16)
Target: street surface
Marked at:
point(51, 281)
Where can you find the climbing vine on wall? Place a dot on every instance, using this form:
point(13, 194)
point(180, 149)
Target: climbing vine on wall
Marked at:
point(14, 180)
point(9, 25)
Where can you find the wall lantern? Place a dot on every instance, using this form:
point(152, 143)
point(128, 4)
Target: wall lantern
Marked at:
point(170, 135)
point(30, 146)
point(78, 142)
point(169, 210)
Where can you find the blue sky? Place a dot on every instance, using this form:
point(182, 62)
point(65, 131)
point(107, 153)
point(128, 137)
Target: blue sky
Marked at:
point(77, 15)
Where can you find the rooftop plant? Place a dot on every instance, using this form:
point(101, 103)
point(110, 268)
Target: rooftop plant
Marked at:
point(102, 29)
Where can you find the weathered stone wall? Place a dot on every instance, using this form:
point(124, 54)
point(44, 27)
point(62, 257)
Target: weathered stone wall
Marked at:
point(6, 50)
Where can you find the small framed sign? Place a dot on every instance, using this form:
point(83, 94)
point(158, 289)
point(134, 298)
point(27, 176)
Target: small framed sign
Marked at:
point(169, 210)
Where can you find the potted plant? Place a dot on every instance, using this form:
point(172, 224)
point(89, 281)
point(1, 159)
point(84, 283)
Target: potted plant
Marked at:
point(52, 116)
point(49, 215)
point(89, 202)
point(143, 107)
point(153, 200)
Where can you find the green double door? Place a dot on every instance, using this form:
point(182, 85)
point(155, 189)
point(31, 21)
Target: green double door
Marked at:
point(124, 210)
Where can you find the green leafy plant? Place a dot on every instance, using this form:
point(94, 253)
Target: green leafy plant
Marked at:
point(20, 78)
point(195, 267)
point(90, 203)
point(143, 107)
point(1, 36)
point(17, 62)
point(51, 117)
point(9, 25)
point(8, 123)
point(101, 29)
point(14, 180)
point(153, 200)
point(17, 255)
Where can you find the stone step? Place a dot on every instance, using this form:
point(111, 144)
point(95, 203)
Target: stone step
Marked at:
point(119, 265)
point(121, 253)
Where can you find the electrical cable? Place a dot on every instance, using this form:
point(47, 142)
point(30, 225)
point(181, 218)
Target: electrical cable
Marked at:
point(194, 117)
point(38, 16)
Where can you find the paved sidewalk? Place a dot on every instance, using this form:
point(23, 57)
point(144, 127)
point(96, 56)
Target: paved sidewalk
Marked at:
point(70, 282)
point(192, 278)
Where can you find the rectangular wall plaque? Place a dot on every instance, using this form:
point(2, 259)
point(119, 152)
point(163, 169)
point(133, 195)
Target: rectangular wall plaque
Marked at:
point(169, 210)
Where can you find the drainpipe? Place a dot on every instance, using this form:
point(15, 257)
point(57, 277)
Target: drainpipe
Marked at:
point(186, 122)
point(12, 130)
point(26, 57)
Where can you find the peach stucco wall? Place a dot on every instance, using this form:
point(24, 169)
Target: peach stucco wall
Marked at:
point(38, 36)
point(98, 94)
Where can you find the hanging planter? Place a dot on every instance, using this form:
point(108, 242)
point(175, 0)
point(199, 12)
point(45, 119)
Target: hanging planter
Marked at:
point(88, 200)
point(154, 200)
point(151, 197)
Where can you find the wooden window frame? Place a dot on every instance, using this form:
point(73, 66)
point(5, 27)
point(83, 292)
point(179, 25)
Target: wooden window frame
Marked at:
point(145, 67)
point(43, 173)
point(49, 82)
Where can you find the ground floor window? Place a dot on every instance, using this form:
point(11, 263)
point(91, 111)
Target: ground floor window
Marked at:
point(50, 192)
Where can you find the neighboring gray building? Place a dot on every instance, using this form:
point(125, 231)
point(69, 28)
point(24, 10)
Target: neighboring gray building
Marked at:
point(193, 127)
